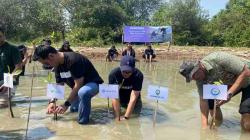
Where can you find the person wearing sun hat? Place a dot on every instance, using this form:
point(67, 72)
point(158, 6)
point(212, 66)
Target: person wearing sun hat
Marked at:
point(130, 80)
point(226, 69)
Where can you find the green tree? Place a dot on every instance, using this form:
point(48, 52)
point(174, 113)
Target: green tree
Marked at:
point(232, 25)
point(187, 20)
point(28, 19)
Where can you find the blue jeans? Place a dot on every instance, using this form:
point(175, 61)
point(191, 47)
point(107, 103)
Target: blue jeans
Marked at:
point(83, 103)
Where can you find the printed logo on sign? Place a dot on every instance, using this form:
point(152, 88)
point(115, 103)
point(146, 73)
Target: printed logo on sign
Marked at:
point(108, 91)
point(218, 92)
point(215, 91)
point(53, 91)
point(157, 92)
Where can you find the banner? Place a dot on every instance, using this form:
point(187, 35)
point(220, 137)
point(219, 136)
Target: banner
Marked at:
point(147, 33)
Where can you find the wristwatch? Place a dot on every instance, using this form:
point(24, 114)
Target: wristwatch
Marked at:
point(67, 103)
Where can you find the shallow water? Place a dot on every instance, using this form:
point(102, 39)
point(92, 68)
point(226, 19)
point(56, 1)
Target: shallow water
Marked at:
point(178, 118)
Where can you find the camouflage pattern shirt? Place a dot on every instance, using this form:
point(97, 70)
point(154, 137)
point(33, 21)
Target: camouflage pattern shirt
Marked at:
point(224, 68)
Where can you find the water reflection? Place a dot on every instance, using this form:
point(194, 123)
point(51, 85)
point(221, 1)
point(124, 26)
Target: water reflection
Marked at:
point(178, 118)
point(12, 134)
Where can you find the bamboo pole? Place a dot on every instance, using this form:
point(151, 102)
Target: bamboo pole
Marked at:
point(10, 103)
point(212, 124)
point(55, 114)
point(31, 91)
point(108, 106)
point(156, 108)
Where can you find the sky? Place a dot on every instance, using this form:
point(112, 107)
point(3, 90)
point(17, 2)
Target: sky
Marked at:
point(213, 6)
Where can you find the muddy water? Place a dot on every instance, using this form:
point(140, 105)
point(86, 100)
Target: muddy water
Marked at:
point(177, 119)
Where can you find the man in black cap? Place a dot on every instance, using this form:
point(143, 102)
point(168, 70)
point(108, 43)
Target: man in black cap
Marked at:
point(223, 68)
point(130, 81)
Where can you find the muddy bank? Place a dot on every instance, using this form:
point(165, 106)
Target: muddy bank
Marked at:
point(162, 52)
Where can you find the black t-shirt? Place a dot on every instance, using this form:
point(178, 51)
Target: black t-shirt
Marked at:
point(112, 51)
point(9, 57)
point(76, 66)
point(64, 50)
point(149, 52)
point(134, 82)
point(126, 52)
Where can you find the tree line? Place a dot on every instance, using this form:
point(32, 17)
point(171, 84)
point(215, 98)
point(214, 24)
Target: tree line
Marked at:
point(98, 22)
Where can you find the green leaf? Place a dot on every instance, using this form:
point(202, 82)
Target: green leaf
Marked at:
point(218, 82)
point(8, 69)
point(49, 78)
point(17, 72)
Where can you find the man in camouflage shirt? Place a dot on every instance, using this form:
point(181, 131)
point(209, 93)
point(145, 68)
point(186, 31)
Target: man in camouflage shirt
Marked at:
point(228, 70)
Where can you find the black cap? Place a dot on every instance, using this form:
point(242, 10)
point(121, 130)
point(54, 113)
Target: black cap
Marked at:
point(188, 68)
point(127, 63)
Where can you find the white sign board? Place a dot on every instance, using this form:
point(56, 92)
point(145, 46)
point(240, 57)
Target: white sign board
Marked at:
point(109, 91)
point(8, 80)
point(215, 92)
point(157, 93)
point(55, 91)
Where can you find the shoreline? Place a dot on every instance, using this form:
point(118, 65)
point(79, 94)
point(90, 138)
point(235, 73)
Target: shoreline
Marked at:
point(163, 53)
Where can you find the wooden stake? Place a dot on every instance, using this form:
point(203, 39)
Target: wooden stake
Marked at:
point(108, 107)
point(120, 86)
point(31, 91)
point(212, 124)
point(156, 108)
point(10, 103)
point(55, 114)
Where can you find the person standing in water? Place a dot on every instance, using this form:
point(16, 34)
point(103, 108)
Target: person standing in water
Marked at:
point(228, 70)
